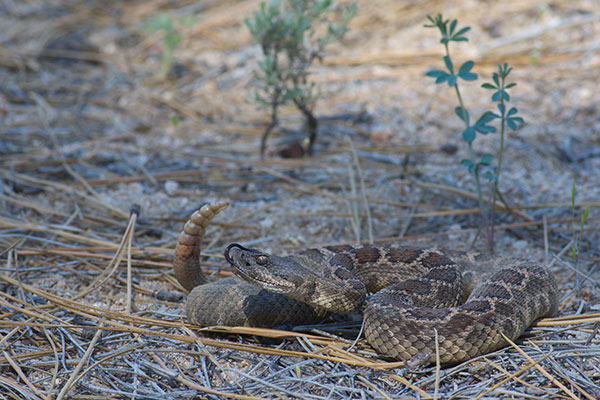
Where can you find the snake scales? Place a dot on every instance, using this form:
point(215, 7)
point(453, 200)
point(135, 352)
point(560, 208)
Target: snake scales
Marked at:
point(470, 300)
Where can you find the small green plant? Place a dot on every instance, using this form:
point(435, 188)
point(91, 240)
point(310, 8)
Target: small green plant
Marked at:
point(292, 36)
point(174, 120)
point(576, 237)
point(482, 166)
point(574, 249)
point(172, 36)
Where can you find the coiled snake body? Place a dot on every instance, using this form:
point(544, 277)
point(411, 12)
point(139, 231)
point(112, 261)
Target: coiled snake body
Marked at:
point(471, 301)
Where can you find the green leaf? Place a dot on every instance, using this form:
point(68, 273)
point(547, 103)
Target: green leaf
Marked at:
point(573, 195)
point(482, 126)
point(436, 73)
point(465, 71)
point(469, 164)
point(443, 25)
point(441, 76)
point(469, 134)
point(449, 65)
point(172, 39)
point(442, 79)
point(453, 26)
point(430, 18)
point(501, 108)
point(513, 122)
point(488, 86)
point(462, 113)
point(460, 39)
point(457, 37)
point(188, 20)
point(510, 85)
point(503, 70)
point(500, 94)
point(155, 24)
point(573, 252)
point(486, 159)
point(490, 176)
point(584, 217)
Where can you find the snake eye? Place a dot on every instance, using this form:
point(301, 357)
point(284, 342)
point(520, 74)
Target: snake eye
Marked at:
point(262, 260)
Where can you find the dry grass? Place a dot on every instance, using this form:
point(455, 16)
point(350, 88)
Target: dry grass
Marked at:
point(89, 307)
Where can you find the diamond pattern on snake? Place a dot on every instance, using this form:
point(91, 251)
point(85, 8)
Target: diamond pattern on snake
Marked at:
point(406, 294)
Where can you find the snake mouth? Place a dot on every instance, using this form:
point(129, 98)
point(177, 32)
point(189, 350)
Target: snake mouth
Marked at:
point(228, 258)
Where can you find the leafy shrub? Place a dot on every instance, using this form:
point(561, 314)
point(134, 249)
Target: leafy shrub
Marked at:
point(292, 36)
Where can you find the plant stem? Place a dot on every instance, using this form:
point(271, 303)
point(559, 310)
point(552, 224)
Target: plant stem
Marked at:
point(165, 62)
point(502, 127)
point(274, 122)
point(311, 124)
point(482, 205)
point(471, 152)
point(499, 166)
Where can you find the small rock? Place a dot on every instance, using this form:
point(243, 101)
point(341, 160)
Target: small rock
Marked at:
point(171, 187)
point(167, 295)
point(449, 148)
point(454, 236)
point(266, 223)
point(520, 244)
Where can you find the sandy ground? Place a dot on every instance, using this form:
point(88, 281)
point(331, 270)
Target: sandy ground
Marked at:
point(86, 131)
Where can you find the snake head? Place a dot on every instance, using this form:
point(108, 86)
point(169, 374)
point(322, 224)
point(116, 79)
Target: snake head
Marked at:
point(297, 277)
point(262, 269)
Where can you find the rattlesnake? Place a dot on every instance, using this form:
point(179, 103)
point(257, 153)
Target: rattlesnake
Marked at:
point(467, 300)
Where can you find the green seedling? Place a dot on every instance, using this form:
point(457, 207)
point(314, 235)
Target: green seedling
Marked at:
point(171, 27)
point(484, 165)
point(574, 249)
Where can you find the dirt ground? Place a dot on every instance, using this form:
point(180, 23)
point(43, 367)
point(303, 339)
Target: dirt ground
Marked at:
point(89, 305)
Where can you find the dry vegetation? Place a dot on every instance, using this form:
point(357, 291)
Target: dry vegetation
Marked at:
point(89, 307)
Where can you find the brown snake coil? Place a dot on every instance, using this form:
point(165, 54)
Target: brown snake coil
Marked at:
point(469, 299)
